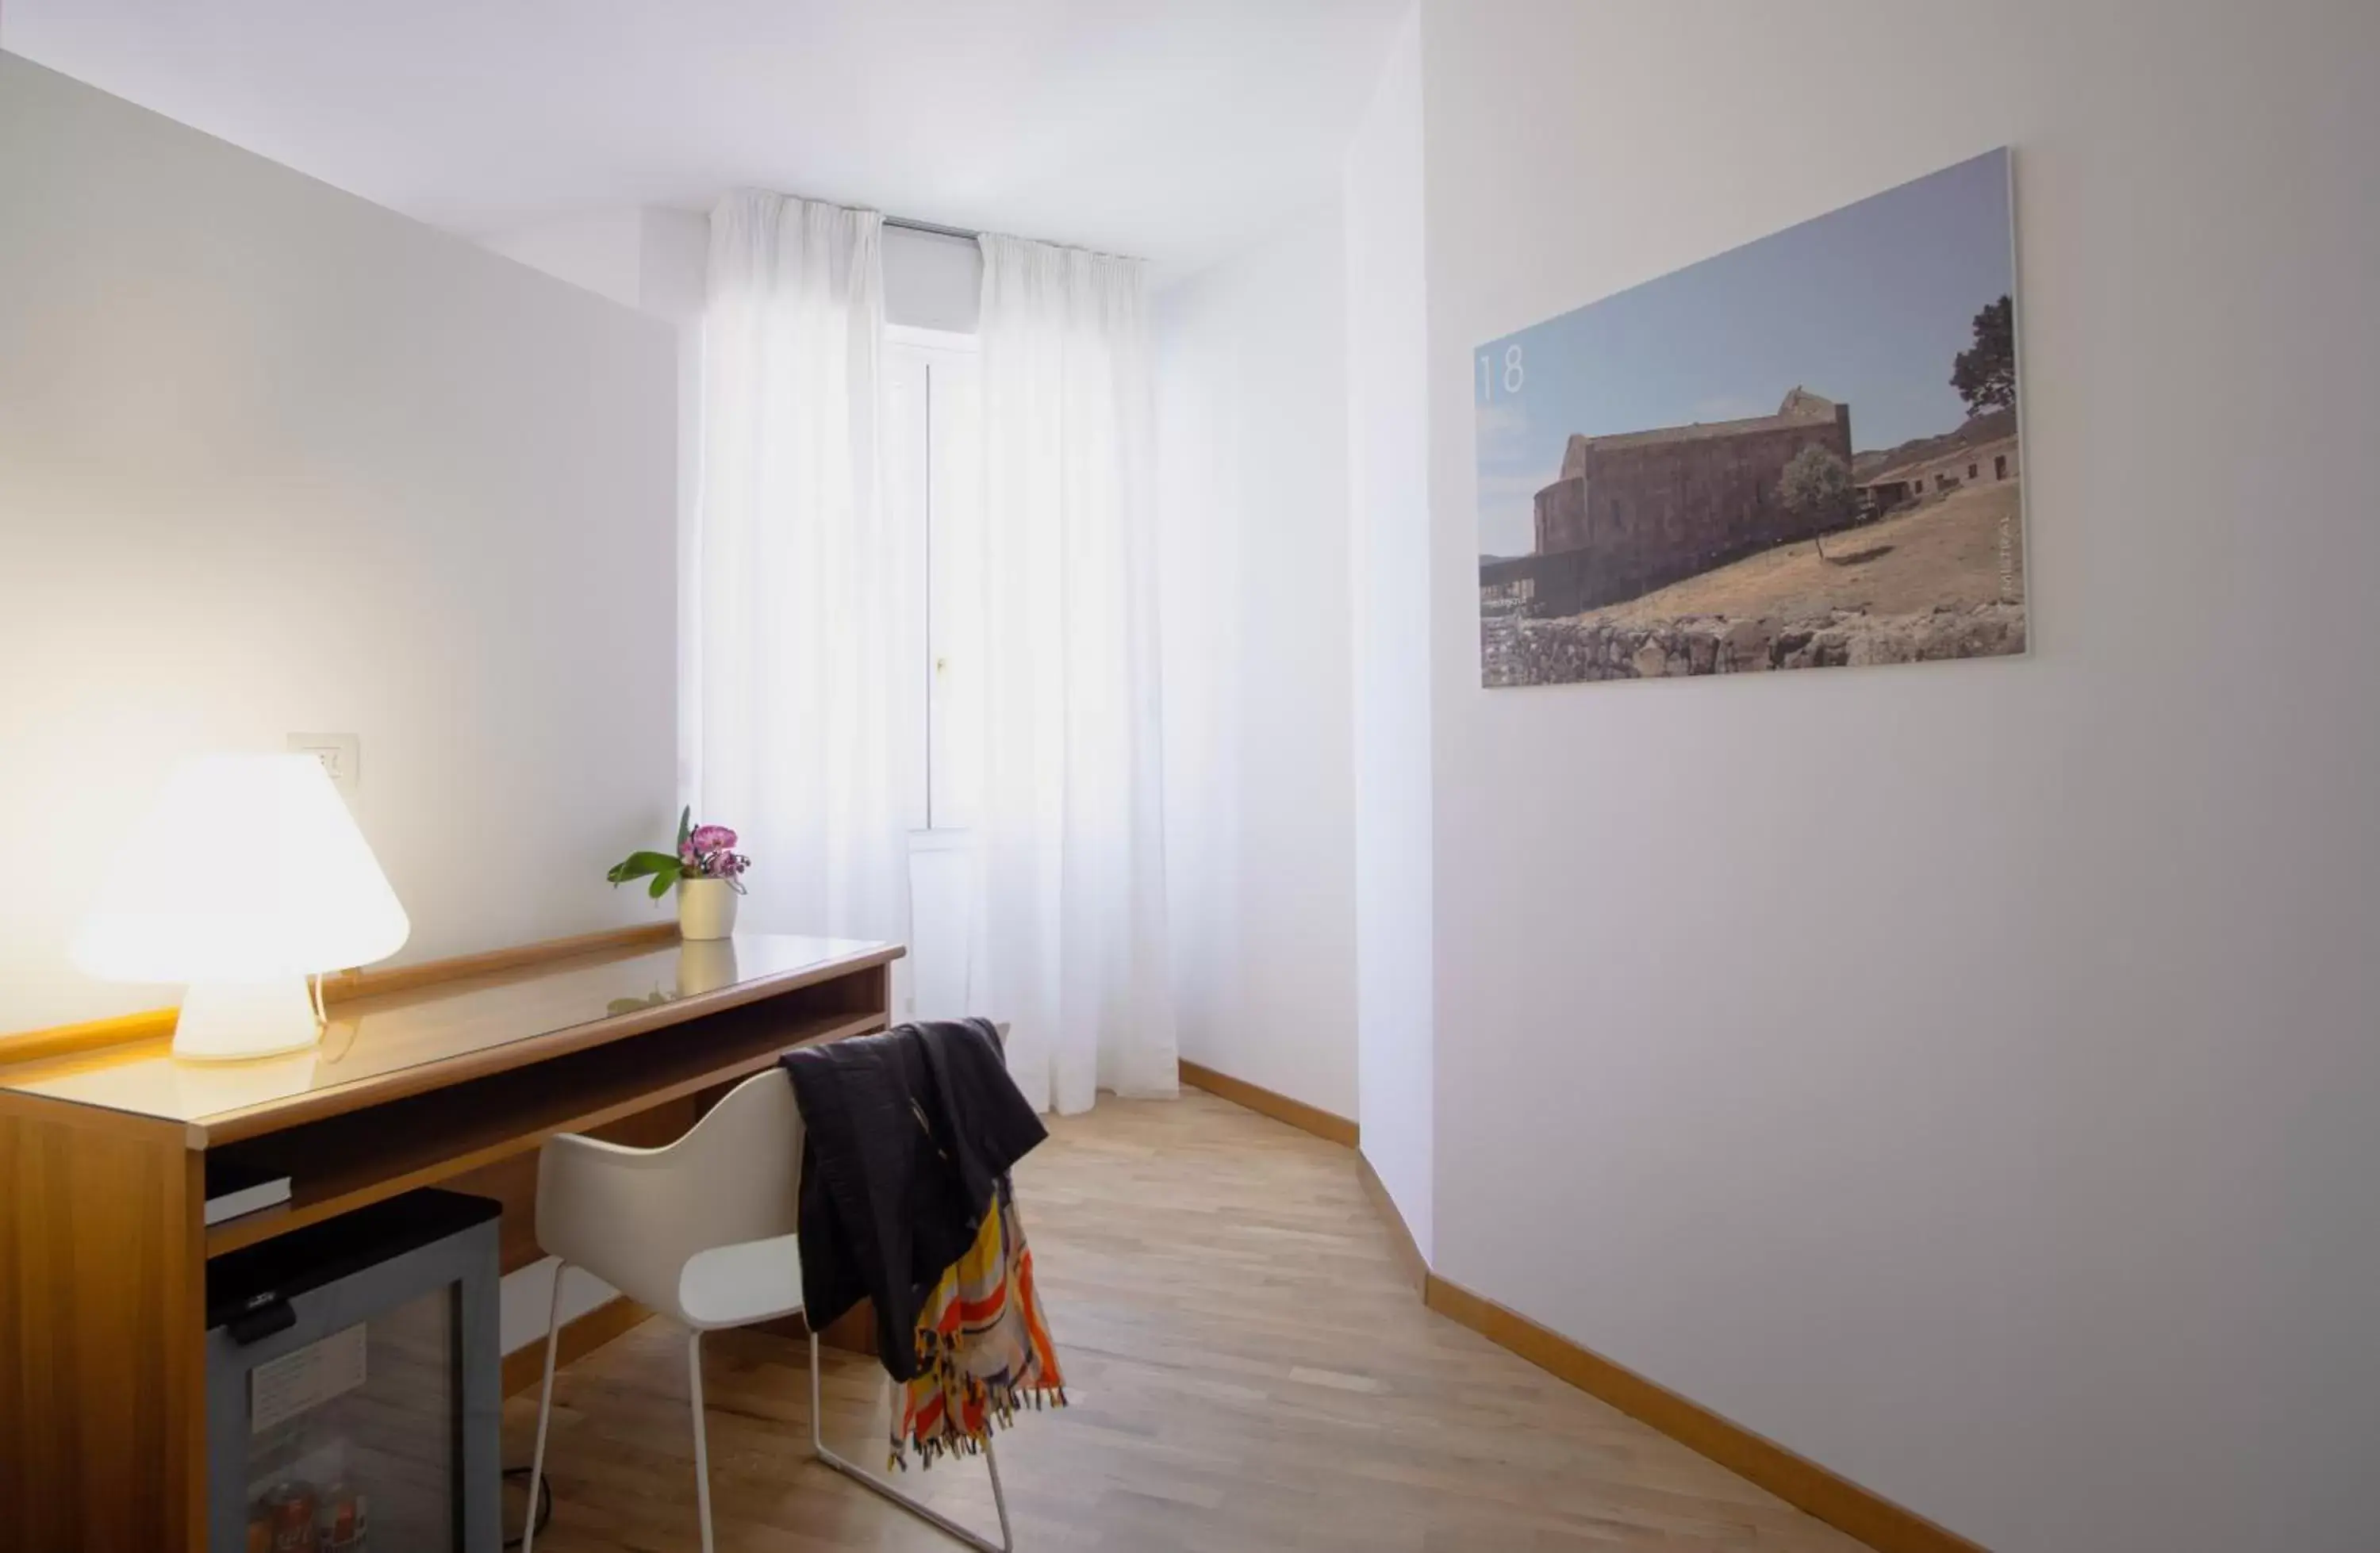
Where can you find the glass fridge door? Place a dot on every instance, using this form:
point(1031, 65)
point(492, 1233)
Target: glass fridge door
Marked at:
point(351, 1439)
point(352, 1404)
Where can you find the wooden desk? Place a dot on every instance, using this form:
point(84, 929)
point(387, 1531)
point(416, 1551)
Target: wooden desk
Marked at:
point(106, 1153)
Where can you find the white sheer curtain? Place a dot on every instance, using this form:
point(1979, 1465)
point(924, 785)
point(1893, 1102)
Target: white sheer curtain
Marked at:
point(793, 735)
point(1070, 933)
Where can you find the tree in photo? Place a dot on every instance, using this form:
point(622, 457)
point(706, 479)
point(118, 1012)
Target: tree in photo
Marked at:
point(1985, 374)
point(1816, 488)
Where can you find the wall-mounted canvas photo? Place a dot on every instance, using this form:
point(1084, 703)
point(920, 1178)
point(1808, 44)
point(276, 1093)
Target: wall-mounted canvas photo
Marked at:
point(1801, 453)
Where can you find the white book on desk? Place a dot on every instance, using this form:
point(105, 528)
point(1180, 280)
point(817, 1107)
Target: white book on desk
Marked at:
point(246, 1194)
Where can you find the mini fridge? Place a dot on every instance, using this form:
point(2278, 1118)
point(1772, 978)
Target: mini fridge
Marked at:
point(354, 1385)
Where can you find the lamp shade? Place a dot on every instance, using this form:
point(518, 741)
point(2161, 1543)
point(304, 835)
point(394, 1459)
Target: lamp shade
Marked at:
point(248, 869)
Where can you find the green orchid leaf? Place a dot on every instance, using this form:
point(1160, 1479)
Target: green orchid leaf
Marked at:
point(638, 864)
point(684, 825)
point(662, 883)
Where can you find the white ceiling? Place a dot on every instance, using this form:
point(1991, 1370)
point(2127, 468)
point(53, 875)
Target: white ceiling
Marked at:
point(1175, 131)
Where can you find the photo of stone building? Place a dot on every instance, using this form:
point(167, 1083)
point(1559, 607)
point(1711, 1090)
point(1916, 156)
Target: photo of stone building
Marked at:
point(1637, 509)
point(1620, 542)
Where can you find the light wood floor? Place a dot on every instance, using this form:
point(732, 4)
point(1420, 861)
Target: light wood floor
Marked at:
point(1248, 1370)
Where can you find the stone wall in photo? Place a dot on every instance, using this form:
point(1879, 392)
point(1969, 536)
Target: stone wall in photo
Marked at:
point(1519, 650)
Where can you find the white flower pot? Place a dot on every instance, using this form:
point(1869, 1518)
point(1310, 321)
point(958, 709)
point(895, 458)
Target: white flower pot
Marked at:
point(706, 908)
point(705, 965)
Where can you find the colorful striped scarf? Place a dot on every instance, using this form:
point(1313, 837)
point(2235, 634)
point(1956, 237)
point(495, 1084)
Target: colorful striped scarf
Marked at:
point(983, 1347)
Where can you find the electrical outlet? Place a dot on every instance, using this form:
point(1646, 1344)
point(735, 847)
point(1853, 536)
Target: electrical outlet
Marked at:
point(338, 754)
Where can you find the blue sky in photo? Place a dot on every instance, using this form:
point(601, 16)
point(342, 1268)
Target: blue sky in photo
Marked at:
point(1866, 305)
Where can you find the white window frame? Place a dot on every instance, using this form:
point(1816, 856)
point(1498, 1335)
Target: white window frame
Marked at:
point(935, 612)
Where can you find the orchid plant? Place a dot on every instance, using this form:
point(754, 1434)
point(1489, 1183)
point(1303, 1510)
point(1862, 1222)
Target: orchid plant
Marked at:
point(703, 852)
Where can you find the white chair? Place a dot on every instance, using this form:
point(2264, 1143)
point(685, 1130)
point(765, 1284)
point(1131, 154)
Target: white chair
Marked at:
point(703, 1230)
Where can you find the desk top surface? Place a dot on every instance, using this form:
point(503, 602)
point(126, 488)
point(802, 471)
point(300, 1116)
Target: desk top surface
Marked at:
point(451, 1031)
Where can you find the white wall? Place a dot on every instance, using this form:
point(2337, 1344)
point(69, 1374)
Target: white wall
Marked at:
point(1965, 1073)
point(673, 275)
point(274, 460)
point(656, 261)
point(602, 250)
point(1252, 447)
point(1389, 550)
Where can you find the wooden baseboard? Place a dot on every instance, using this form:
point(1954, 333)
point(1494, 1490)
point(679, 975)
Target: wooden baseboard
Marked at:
point(525, 1365)
point(1797, 1480)
point(1402, 1242)
point(1266, 1102)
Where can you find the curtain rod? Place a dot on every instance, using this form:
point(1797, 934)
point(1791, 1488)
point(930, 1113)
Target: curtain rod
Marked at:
point(936, 229)
point(932, 228)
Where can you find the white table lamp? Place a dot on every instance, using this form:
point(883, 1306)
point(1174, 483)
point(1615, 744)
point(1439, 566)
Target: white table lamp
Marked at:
point(248, 877)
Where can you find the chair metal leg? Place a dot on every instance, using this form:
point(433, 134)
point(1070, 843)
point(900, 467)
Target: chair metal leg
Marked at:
point(875, 1484)
point(701, 1438)
point(544, 1406)
point(999, 1496)
point(818, 1405)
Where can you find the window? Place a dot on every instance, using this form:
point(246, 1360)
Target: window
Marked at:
point(1999, 465)
point(931, 438)
point(1971, 471)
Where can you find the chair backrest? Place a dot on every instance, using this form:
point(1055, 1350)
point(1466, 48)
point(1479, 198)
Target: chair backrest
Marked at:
point(746, 1153)
point(633, 1217)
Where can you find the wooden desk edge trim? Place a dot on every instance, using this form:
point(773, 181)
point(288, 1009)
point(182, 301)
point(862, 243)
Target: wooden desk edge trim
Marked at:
point(65, 1040)
point(231, 1126)
point(107, 1120)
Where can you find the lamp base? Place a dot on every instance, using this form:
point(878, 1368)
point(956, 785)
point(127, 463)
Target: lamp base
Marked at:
point(228, 1021)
